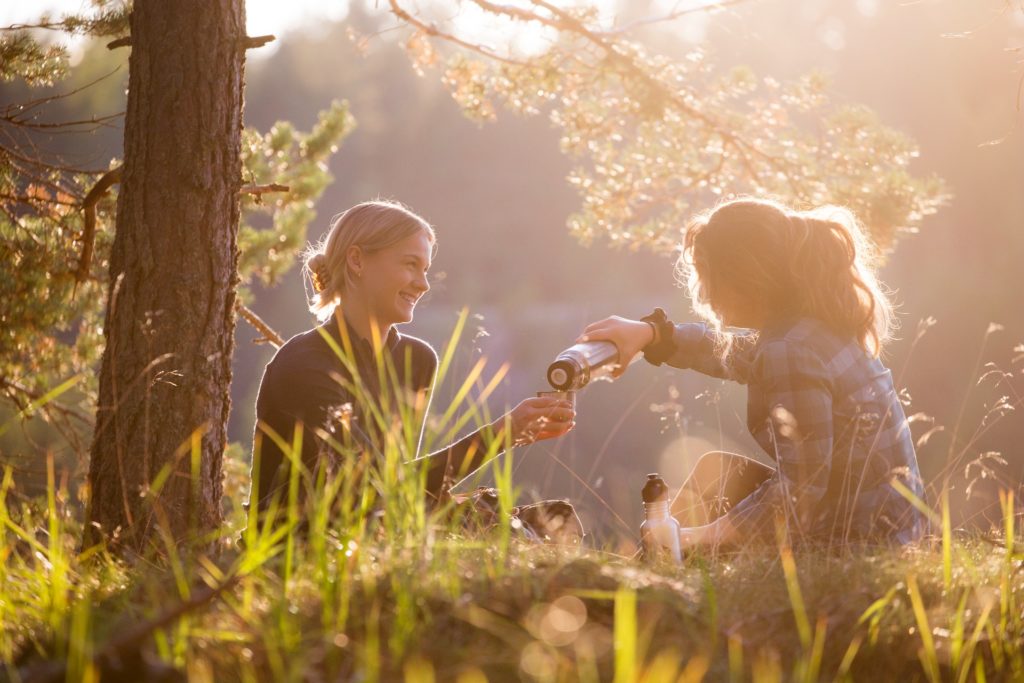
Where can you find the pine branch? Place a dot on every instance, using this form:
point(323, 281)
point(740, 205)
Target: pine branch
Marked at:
point(104, 23)
point(59, 126)
point(269, 335)
point(432, 30)
point(98, 191)
point(250, 42)
point(23, 108)
point(673, 15)
point(563, 21)
point(14, 388)
point(263, 189)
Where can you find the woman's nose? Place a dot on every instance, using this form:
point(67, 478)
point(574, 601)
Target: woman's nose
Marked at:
point(423, 283)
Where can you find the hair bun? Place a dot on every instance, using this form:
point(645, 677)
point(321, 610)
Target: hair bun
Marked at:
point(318, 272)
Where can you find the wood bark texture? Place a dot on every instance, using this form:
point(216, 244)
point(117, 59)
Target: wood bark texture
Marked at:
point(166, 369)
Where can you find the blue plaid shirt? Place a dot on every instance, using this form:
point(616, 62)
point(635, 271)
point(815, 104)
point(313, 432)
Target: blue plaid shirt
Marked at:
point(827, 413)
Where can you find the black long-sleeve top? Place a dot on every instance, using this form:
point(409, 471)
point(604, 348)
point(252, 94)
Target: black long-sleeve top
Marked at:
point(329, 381)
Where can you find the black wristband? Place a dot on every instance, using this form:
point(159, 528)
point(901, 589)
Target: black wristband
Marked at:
point(658, 352)
point(655, 335)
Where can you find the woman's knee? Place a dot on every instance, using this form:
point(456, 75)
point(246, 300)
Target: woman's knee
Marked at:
point(712, 464)
point(728, 474)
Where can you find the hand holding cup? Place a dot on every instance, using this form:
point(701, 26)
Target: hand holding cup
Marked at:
point(549, 415)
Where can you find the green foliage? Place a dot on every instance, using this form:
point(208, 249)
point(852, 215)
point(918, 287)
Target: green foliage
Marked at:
point(656, 138)
point(299, 161)
point(47, 332)
point(107, 18)
point(24, 58)
point(51, 323)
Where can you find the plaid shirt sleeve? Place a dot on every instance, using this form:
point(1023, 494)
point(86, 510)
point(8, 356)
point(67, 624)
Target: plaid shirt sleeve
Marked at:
point(699, 346)
point(796, 389)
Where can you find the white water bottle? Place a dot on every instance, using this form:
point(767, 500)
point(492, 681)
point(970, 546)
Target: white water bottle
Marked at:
point(660, 531)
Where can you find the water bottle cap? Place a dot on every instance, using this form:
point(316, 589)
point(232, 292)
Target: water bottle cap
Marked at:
point(655, 489)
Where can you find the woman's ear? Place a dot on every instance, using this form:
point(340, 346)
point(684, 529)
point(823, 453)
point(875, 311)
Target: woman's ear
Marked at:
point(354, 258)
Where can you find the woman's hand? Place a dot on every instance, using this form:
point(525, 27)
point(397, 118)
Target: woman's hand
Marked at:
point(536, 419)
point(630, 336)
point(691, 536)
point(716, 533)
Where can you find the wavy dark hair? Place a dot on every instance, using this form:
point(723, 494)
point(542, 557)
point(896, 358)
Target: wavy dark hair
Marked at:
point(817, 264)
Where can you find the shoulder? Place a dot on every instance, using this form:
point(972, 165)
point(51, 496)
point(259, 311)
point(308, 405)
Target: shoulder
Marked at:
point(840, 357)
point(421, 356)
point(809, 337)
point(305, 348)
point(796, 336)
point(420, 349)
point(803, 348)
point(297, 376)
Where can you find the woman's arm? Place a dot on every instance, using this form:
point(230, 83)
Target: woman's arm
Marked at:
point(700, 347)
point(533, 419)
point(695, 346)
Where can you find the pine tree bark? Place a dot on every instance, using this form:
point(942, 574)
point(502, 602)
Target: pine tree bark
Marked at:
point(166, 370)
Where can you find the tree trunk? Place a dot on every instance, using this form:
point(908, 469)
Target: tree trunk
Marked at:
point(163, 389)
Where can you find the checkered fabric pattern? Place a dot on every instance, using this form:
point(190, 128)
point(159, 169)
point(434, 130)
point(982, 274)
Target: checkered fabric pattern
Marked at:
point(827, 413)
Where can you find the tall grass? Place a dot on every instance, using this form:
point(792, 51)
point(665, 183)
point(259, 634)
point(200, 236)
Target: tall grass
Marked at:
point(350, 575)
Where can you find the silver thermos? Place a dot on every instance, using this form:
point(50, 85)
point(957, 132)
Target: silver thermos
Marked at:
point(582, 363)
point(659, 531)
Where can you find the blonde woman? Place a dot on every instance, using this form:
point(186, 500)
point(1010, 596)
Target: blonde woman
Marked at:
point(792, 309)
point(356, 375)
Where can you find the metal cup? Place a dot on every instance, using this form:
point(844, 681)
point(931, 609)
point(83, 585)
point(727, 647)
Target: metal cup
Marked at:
point(569, 396)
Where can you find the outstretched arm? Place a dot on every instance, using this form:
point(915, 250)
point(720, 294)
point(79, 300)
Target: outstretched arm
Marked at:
point(695, 346)
point(534, 419)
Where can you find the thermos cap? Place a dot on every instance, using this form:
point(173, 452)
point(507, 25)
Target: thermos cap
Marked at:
point(558, 377)
point(655, 489)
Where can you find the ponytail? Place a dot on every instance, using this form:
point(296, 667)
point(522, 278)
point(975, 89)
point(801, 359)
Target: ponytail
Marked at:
point(834, 274)
point(787, 263)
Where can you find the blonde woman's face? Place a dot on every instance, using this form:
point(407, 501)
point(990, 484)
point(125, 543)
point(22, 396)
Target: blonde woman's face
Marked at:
point(393, 279)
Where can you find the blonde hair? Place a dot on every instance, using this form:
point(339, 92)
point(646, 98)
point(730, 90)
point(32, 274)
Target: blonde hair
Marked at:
point(816, 263)
point(371, 226)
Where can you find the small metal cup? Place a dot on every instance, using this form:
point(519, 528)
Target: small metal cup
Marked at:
point(569, 396)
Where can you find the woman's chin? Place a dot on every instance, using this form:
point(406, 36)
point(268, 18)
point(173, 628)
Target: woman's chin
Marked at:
point(403, 316)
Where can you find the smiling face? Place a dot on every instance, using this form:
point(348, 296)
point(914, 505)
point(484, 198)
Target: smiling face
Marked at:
point(391, 280)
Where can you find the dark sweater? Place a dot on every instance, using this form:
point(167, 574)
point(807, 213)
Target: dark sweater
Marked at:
point(309, 383)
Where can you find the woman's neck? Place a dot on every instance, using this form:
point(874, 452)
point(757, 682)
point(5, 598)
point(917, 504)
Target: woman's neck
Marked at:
point(361, 321)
